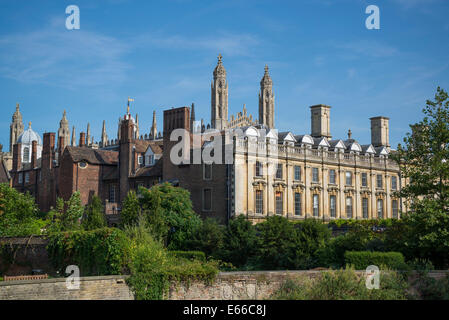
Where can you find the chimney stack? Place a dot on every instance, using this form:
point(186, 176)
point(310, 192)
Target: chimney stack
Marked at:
point(34, 154)
point(82, 140)
point(380, 132)
point(17, 157)
point(61, 145)
point(48, 150)
point(320, 118)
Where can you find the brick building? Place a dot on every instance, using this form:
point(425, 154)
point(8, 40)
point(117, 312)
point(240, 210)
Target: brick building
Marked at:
point(264, 172)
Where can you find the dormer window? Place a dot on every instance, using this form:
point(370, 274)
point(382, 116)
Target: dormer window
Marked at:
point(82, 164)
point(26, 154)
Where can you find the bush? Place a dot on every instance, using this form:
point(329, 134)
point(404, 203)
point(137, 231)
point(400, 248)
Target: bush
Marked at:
point(19, 215)
point(208, 238)
point(97, 252)
point(94, 217)
point(343, 285)
point(362, 259)
point(153, 267)
point(240, 241)
point(277, 245)
point(189, 255)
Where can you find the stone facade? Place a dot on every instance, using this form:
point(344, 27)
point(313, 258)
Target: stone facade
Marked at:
point(270, 172)
point(253, 285)
point(91, 288)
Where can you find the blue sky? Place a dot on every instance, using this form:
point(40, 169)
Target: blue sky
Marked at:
point(162, 53)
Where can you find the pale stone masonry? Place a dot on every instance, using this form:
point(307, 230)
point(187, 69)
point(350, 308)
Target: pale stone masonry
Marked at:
point(292, 174)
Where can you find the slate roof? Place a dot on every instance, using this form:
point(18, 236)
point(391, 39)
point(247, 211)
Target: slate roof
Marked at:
point(153, 171)
point(93, 156)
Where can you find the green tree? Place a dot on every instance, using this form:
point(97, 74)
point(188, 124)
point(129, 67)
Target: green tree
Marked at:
point(130, 209)
point(208, 238)
point(19, 215)
point(94, 217)
point(424, 162)
point(154, 213)
point(240, 241)
point(67, 214)
point(313, 235)
point(278, 241)
point(176, 208)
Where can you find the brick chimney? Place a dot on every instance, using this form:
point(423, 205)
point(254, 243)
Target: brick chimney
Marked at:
point(82, 139)
point(61, 145)
point(17, 157)
point(380, 136)
point(33, 154)
point(48, 150)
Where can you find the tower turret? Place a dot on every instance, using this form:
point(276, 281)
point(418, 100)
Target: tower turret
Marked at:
point(219, 99)
point(266, 100)
point(16, 128)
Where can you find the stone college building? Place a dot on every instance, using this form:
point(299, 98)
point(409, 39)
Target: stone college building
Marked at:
point(296, 175)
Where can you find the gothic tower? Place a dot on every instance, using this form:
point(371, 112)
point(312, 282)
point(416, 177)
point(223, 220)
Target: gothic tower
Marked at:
point(16, 128)
point(73, 137)
point(153, 131)
point(266, 100)
point(219, 99)
point(104, 135)
point(88, 138)
point(63, 130)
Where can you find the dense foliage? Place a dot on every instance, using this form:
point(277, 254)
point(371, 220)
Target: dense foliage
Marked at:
point(362, 259)
point(19, 215)
point(424, 162)
point(168, 210)
point(343, 285)
point(94, 215)
point(98, 252)
point(152, 267)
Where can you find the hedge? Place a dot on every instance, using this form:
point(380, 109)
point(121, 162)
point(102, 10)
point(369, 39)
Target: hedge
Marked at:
point(189, 255)
point(362, 259)
point(98, 252)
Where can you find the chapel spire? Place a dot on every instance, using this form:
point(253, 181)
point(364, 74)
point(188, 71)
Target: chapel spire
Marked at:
point(266, 100)
point(16, 128)
point(104, 135)
point(153, 131)
point(219, 97)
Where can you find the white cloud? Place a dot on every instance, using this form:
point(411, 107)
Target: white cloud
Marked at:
point(64, 58)
point(374, 49)
point(226, 43)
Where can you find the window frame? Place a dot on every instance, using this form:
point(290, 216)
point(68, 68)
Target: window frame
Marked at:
point(204, 199)
point(279, 202)
point(317, 207)
point(315, 170)
point(205, 166)
point(349, 207)
point(348, 178)
point(297, 173)
point(258, 201)
point(333, 208)
point(298, 204)
point(332, 176)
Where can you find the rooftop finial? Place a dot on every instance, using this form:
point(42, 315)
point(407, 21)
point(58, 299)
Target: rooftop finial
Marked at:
point(219, 58)
point(129, 100)
point(349, 134)
point(29, 125)
point(17, 106)
point(266, 68)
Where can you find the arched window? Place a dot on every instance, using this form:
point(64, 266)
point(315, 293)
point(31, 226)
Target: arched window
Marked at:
point(26, 154)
